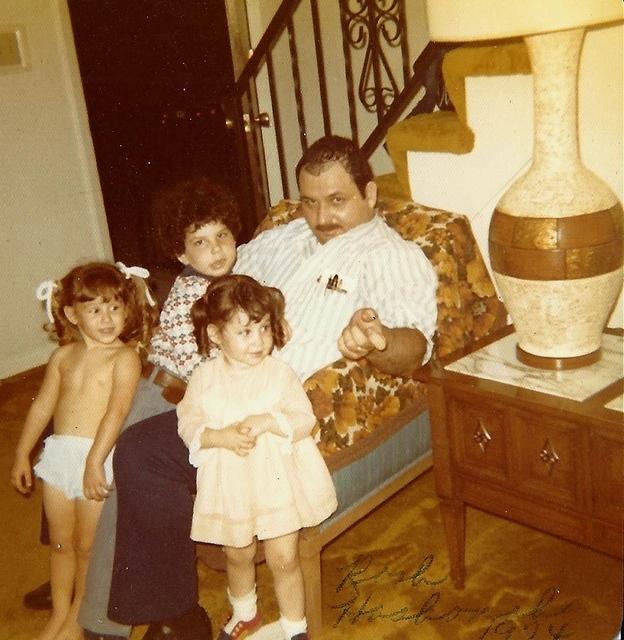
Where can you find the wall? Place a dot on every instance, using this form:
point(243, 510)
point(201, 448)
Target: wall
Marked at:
point(499, 110)
point(50, 201)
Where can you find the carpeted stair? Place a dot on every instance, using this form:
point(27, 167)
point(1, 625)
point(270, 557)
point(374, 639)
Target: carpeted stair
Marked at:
point(448, 131)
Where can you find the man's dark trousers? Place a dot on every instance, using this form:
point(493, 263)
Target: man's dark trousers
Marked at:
point(154, 575)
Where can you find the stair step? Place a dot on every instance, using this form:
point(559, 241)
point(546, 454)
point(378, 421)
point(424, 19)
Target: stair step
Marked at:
point(389, 187)
point(506, 59)
point(440, 131)
point(448, 131)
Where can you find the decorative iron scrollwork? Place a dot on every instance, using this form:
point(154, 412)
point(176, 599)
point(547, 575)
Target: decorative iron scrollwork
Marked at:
point(374, 25)
point(481, 436)
point(549, 456)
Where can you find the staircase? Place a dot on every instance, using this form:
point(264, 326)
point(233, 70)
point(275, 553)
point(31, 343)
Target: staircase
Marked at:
point(320, 68)
point(448, 132)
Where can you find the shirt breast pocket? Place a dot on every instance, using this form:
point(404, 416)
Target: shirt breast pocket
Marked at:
point(339, 298)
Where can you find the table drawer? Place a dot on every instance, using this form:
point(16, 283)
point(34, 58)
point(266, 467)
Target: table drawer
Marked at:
point(607, 476)
point(478, 436)
point(549, 458)
point(535, 454)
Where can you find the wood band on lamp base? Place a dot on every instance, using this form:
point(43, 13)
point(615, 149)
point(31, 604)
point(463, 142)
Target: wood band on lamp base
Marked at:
point(556, 364)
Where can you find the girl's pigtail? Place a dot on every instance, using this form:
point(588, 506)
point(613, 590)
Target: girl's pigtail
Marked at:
point(199, 316)
point(143, 312)
point(50, 292)
point(278, 307)
point(142, 316)
point(63, 328)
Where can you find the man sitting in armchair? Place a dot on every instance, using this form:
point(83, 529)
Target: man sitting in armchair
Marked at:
point(354, 289)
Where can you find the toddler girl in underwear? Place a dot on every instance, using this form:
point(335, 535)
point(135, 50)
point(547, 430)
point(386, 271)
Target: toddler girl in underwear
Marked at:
point(101, 315)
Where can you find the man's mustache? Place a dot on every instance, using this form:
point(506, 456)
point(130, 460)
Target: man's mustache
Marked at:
point(323, 228)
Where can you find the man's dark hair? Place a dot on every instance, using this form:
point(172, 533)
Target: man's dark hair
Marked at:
point(337, 149)
point(188, 205)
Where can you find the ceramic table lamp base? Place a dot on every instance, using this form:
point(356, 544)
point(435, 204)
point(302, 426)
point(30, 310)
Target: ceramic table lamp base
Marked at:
point(556, 235)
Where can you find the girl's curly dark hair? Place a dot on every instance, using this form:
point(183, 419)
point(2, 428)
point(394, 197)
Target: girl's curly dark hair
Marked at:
point(90, 281)
point(188, 205)
point(227, 294)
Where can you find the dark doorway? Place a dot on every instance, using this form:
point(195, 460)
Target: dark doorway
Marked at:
point(153, 72)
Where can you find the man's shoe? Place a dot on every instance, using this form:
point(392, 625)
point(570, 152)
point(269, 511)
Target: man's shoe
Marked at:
point(39, 598)
point(159, 631)
point(192, 625)
point(241, 629)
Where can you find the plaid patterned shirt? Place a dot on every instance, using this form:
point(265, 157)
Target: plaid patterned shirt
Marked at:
point(173, 346)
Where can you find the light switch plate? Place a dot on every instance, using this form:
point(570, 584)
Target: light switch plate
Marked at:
point(12, 51)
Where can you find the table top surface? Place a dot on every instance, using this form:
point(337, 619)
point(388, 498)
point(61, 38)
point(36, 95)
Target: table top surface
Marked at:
point(497, 361)
point(491, 366)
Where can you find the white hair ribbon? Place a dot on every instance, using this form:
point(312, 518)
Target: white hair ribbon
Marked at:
point(44, 293)
point(139, 272)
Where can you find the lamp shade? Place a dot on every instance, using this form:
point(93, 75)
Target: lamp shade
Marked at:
point(466, 20)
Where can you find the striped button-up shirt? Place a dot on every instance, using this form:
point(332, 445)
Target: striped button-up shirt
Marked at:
point(324, 284)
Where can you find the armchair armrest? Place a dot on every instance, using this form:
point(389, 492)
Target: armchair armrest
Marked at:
point(352, 398)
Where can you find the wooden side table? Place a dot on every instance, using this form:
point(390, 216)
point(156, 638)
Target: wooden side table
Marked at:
point(543, 448)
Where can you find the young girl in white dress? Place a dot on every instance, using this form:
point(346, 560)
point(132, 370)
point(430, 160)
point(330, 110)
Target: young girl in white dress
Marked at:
point(99, 313)
point(247, 422)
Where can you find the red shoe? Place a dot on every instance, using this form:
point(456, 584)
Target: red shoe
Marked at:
point(241, 629)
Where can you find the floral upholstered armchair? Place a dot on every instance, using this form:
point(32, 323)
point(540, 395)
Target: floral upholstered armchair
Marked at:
point(351, 399)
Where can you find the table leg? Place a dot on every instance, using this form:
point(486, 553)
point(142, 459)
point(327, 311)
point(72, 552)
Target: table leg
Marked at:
point(454, 517)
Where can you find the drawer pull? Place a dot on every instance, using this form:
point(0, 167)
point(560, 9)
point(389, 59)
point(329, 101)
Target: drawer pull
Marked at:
point(549, 456)
point(481, 436)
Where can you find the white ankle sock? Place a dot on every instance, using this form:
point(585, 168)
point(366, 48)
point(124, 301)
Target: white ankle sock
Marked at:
point(243, 608)
point(293, 627)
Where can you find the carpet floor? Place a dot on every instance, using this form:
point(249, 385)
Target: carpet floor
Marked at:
point(386, 577)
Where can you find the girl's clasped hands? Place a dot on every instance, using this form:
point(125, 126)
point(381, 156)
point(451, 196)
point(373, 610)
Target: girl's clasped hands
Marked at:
point(240, 437)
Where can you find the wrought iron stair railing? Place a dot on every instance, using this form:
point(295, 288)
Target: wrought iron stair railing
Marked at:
point(375, 29)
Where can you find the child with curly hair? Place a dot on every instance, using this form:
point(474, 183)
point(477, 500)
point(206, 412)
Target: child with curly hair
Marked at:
point(195, 223)
point(99, 314)
point(247, 422)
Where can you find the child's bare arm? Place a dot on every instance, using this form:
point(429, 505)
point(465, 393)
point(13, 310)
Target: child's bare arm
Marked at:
point(126, 374)
point(39, 414)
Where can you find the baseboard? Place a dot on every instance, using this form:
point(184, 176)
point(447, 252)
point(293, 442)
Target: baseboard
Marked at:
point(14, 365)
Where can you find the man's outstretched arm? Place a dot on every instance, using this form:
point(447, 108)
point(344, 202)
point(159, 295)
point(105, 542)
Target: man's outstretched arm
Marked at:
point(397, 351)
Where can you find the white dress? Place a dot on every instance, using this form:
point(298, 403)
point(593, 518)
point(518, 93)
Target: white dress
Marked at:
point(283, 484)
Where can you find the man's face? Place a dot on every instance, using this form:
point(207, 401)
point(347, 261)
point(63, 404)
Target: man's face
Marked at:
point(331, 202)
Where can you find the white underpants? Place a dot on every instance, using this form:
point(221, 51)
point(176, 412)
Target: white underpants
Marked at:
point(62, 463)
